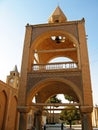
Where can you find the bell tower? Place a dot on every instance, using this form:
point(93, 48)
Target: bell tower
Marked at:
point(13, 78)
point(42, 78)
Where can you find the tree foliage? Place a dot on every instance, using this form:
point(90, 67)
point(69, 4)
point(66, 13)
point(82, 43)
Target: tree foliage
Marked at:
point(54, 99)
point(69, 98)
point(69, 115)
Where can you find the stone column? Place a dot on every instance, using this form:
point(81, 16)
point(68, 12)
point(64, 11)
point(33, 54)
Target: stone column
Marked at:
point(38, 120)
point(23, 121)
point(86, 112)
point(23, 117)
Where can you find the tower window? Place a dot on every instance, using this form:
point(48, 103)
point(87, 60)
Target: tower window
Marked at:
point(57, 21)
point(13, 74)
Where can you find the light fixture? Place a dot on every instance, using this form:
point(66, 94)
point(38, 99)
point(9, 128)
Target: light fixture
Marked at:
point(58, 39)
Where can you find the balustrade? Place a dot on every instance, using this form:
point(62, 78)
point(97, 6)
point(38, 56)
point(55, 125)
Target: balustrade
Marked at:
point(55, 66)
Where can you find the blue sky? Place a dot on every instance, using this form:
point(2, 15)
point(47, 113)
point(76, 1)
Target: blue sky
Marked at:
point(15, 14)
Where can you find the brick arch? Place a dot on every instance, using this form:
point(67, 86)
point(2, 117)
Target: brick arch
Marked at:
point(45, 83)
point(47, 34)
point(3, 102)
point(12, 113)
point(41, 40)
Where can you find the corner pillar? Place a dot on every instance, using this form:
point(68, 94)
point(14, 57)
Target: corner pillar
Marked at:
point(23, 117)
point(86, 113)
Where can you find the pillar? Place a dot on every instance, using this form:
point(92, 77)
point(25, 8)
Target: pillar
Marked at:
point(38, 117)
point(23, 117)
point(86, 113)
point(23, 121)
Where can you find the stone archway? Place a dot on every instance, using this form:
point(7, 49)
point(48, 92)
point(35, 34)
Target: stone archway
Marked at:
point(42, 92)
point(46, 88)
point(53, 86)
point(41, 41)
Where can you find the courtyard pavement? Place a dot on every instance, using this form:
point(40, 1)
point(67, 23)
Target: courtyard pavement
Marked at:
point(67, 128)
point(58, 127)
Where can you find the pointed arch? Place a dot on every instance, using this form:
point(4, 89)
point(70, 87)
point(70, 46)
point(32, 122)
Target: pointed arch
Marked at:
point(49, 81)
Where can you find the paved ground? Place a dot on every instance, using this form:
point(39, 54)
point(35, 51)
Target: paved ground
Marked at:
point(58, 127)
point(66, 128)
point(80, 129)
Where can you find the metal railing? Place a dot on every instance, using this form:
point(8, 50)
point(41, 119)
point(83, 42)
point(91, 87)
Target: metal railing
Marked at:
point(55, 66)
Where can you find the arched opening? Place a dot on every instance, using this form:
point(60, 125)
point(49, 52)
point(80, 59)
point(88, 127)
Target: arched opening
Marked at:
point(43, 91)
point(52, 86)
point(60, 59)
point(56, 109)
point(45, 47)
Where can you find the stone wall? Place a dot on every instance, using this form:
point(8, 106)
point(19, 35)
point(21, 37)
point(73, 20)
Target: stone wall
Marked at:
point(8, 107)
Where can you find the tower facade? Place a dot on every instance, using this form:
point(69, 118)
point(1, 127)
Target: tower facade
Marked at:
point(41, 77)
point(13, 78)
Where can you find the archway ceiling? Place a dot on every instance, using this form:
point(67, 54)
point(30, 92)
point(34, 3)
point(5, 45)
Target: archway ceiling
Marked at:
point(46, 57)
point(56, 88)
point(48, 44)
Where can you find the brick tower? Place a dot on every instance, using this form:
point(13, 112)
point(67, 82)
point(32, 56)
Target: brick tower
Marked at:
point(13, 78)
point(41, 78)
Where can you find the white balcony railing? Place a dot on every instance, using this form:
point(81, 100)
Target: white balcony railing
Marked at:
point(55, 66)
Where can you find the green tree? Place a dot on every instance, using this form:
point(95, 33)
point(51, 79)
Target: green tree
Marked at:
point(54, 99)
point(69, 98)
point(69, 115)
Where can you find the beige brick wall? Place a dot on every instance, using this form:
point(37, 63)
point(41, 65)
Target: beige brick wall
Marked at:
point(8, 107)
